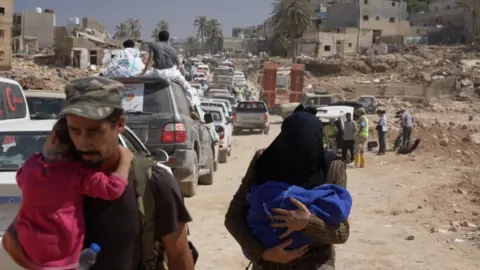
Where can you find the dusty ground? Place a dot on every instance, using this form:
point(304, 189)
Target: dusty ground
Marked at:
point(425, 197)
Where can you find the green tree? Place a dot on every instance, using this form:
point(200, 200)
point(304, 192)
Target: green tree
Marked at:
point(291, 17)
point(201, 24)
point(214, 34)
point(130, 28)
point(192, 46)
point(473, 9)
point(161, 26)
point(121, 31)
point(279, 45)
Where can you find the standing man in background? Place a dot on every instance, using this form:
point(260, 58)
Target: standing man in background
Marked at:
point(361, 138)
point(407, 125)
point(348, 143)
point(330, 136)
point(162, 55)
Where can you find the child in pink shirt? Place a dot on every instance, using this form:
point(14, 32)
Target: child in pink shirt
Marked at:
point(50, 223)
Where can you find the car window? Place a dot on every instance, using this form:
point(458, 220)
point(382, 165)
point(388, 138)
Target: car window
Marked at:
point(217, 116)
point(13, 102)
point(230, 100)
point(251, 106)
point(181, 100)
point(45, 108)
point(129, 144)
point(325, 100)
point(18, 146)
point(147, 97)
point(132, 144)
point(218, 105)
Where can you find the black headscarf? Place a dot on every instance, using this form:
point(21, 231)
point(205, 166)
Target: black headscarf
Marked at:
point(296, 154)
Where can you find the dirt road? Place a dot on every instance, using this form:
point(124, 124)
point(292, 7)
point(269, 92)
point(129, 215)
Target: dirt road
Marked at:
point(392, 203)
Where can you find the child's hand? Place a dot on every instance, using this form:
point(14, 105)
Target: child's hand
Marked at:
point(125, 154)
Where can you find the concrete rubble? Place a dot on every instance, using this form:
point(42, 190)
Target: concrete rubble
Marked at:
point(42, 77)
point(449, 71)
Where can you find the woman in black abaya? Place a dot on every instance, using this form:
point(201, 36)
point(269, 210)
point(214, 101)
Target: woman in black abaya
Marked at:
point(297, 157)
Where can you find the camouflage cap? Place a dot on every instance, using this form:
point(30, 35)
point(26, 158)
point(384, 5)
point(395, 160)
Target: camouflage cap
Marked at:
point(93, 97)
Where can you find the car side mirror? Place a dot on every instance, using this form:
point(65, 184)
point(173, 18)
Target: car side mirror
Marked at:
point(161, 156)
point(208, 118)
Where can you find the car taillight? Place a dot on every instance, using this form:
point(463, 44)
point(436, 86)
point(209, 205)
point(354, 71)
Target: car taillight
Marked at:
point(265, 117)
point(174, 133)
point(234, 116)
point(220, 131)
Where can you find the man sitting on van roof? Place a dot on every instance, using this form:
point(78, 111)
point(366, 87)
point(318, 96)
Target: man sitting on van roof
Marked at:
point(125, 63)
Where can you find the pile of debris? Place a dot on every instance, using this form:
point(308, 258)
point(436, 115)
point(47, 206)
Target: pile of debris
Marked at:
point(31, 75)
point(421, 65)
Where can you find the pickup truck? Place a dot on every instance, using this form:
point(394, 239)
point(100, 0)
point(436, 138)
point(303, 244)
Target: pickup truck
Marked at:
point(251, 115)
point(157, 111)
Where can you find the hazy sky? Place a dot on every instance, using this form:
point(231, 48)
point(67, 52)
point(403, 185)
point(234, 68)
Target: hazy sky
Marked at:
point(179, 13)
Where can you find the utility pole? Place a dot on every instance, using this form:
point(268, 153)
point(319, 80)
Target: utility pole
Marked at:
point(360, 17)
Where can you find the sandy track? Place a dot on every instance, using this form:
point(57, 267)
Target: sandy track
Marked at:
point(389, 205)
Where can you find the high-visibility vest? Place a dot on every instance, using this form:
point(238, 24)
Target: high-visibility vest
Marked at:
point(330, 131)
point(364, 131)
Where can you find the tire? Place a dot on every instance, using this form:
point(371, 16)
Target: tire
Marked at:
point(189, 188)
point(215, 166)
point(223, 156)
point(229, 152)
point(236, 131)
point(207, 179)
point(266, 130)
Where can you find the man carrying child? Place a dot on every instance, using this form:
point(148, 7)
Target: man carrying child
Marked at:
point(94, 119)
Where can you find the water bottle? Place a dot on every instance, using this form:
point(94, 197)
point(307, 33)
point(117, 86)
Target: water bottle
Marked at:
point(88, 257)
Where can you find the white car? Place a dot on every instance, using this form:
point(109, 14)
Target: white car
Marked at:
point(225, 100)
point(213, 103)
point(239, 74)
point(22, 138)
point(224, 129)
point(44, 104)
point(14, 105)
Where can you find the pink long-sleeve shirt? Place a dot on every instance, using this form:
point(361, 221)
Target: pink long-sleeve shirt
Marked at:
point(50, 223)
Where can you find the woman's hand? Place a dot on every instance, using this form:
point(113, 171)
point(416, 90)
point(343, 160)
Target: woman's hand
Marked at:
point(293, 220)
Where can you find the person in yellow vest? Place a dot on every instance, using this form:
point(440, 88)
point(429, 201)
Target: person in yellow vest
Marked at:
point(330, 136)
point(361, 138)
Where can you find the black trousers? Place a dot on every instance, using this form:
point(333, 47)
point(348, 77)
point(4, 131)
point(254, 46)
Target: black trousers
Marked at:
point(348, 145)
point(381, 141)
point(406, 136)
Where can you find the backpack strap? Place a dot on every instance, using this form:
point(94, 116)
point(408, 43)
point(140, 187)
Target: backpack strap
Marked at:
point(142, 170)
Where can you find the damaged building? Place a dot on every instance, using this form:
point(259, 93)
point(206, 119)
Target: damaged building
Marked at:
point(349, 26)
point(83, 44)
point(33, 31)
point(444, 22)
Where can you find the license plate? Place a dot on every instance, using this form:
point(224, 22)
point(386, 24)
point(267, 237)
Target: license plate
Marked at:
point(250, 118)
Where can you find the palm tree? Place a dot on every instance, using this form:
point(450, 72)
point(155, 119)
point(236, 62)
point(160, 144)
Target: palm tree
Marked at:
point(134, 28)
point(214, 33)
point(291, 17)
point(201, 24)
point(473, 8)
point(161, 26)
point(192, 46)
point(130, 28)
point(121, 31)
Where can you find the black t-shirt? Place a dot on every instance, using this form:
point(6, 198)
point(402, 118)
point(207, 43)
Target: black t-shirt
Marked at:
point(116, 227)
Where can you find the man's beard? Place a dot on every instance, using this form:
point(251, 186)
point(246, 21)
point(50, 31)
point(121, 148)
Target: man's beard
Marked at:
point(91, 163)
